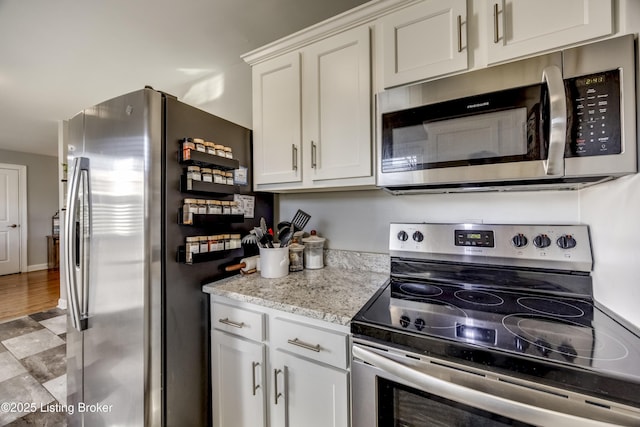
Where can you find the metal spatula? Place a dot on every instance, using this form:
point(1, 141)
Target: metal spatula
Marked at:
point(300, 220)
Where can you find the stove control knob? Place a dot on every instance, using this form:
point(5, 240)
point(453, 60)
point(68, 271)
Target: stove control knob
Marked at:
point(566, 241)
point(568, 352)
point(519, 240)
point(521, 344)
point(403, 236)
point(541, 241)
point(419, 324)
point(418, 236)
point(404, 321)
point(543, 347)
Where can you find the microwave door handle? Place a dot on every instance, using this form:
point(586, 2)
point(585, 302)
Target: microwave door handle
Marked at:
point(73, 261)
point(478, 399)
point(552, 77)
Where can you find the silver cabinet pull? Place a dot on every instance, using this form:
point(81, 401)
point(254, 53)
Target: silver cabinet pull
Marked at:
point(294, 157)
point(228, 322)
point(275, 384)
point(255, 386)
point(304, 345)
point(314, 149)
point(496, 37)
point(459, 33)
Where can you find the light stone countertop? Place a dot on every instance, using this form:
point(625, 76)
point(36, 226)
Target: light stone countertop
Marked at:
point(333, 294)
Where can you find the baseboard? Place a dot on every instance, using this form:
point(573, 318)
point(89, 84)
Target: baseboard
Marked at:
point(62, 304)
point(37, 267)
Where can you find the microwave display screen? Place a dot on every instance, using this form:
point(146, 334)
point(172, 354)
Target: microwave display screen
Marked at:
point(594, 115)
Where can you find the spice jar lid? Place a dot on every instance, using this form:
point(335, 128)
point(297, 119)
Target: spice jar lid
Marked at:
point(227, 149)
point(190, 201)
point(219, 147)
point(193, 239)
point(208, 144)
point(193, 168)
point(198, 140)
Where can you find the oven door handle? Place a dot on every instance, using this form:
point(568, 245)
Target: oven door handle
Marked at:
point(552, 77)
point(477, 399)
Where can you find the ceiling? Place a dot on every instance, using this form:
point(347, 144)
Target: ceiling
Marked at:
point(58, 57)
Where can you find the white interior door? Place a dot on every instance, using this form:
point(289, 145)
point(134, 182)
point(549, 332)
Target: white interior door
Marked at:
point(9, 221)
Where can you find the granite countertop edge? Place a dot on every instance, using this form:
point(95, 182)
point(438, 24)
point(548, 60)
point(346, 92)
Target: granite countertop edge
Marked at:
point(332, 294)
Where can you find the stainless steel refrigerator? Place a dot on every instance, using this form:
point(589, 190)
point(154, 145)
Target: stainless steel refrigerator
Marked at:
point(138, 342)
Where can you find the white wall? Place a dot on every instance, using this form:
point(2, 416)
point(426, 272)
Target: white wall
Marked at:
point(359, 220)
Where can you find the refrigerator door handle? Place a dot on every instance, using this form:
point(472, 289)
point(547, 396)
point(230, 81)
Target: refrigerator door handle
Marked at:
point(77, 236)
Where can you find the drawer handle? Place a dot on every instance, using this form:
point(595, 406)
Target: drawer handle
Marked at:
point(226, 321)
point(255, 386)
point(275, 384)
point(304, 345)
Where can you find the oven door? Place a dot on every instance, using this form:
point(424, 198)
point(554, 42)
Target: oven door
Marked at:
point(391, 389)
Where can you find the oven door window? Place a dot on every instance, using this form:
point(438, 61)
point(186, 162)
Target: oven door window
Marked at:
point(402, 406)
point(500, 127)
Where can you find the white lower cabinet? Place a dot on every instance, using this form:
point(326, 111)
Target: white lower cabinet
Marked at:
point(271, 368)
point(305, 393)
point(238, 373)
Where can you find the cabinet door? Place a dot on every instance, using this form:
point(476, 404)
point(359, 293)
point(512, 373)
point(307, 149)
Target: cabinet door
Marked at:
point(238, 392)
point(337, 106)
point(308, 394)
point(518, 28)
point(425, 40)
point(277, 120)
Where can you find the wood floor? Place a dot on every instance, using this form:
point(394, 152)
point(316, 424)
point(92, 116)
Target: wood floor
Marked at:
point(27, 293)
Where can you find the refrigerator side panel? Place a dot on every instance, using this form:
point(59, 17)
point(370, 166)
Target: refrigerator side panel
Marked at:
point(187, 384)
point(75, 361)
point(117, 146)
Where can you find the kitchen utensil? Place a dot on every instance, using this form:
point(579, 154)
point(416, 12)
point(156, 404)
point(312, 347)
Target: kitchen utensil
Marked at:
point(250, 244)
point(244, 265)
point(296, 256)
point(300, 219)
point(286, 236)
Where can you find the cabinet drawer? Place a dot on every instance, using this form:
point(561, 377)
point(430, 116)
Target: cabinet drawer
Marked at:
point(309, 341)
point(237, 321)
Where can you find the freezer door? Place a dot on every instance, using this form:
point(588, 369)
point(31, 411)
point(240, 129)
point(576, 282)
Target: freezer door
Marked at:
point(120, 300)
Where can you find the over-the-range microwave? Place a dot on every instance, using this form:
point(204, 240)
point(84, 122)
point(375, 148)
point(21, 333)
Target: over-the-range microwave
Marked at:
point(562, 120)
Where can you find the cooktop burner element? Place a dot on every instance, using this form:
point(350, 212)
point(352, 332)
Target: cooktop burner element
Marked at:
point(479, 297)
point(550, 306)
point(473, 294)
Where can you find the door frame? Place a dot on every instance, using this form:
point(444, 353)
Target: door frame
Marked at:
point(22, 211)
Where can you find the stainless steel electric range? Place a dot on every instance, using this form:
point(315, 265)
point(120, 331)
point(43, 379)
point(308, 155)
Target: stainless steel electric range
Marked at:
point(491, 325)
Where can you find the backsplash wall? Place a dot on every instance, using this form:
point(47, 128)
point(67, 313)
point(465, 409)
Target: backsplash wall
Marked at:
point(359, 220)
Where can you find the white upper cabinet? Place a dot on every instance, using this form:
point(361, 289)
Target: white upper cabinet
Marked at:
point(277, 122)
point(425, 40)
point(517, 28)
point(312, 115)
point(336, 107)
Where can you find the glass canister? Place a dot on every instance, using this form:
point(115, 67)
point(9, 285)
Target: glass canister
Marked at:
point(313, 251)
point(296, 257)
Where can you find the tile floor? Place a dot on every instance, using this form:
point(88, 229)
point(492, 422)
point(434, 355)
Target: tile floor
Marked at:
point(33, 369)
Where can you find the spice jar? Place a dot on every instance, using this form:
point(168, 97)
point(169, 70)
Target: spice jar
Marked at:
point(229, 176)
point(228, 153)
point(296, 257)
point(204, 244)
point(235, 209)
point(187, 146)
point(209, 147)
point(213, 243)
point(192, 247)
point(218, 177)
point(226, 208)
point(234, 241)
point(219, 150)
point(202, 207)
point(313, 251)
point(189, 207)
point(200, 145)
point(207, 175)
point(193, 172)
point(214, 207)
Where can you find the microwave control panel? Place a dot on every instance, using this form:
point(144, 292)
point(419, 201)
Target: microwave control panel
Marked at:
point(595, 114)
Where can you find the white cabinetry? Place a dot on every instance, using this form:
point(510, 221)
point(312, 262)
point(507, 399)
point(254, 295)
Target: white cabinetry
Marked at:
point(517, 28)
point(277, 121)
point(272, 366)
point(312, 115)
point(424, 40)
